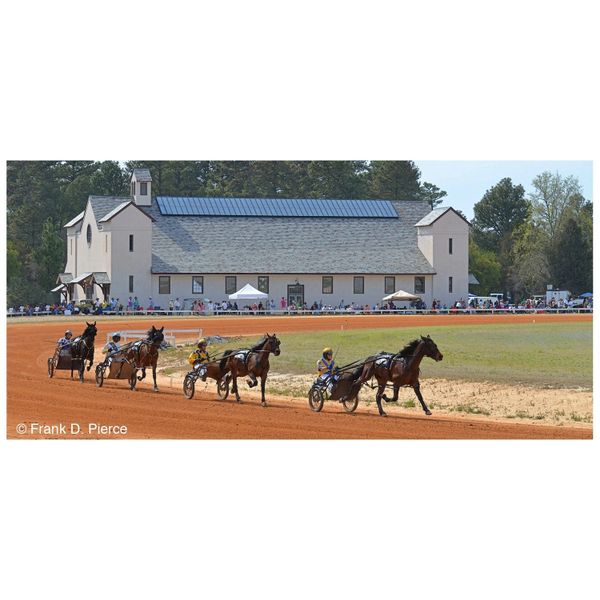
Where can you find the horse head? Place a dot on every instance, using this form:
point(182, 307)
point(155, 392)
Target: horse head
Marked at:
point(274, 344)
point(431, 349)
point(156, 336)
point(90, 330)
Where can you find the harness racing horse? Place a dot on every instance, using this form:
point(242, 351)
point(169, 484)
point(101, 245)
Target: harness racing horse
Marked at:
point(82, 349)
point(401, 369)
point(145, 353)
point(252, 363)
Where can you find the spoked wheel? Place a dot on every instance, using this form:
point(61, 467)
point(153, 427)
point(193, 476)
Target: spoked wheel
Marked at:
point(132, 379)
point(50, 367)
point(350, 404)
point(189, 386)
point(316, 398)
point(99, 375)
point(223, 388)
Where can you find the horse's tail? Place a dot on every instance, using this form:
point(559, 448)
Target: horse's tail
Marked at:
point(225, 358)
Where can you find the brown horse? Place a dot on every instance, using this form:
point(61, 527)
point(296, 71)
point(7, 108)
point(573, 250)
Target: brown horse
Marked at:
point(252, 363)
point(145, 353)
point(401, 369)
point(82, 349)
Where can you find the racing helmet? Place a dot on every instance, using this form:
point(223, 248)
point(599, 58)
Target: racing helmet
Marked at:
point(116, 336)
point(68, 332)
point(201, 342)
point(327, 351)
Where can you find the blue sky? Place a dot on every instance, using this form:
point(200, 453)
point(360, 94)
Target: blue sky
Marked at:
point(466, 181)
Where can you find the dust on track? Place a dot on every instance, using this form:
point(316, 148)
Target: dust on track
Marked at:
point(33, 397)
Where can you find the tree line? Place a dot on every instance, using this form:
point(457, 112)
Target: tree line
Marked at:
point(521, 244)
point(42, 196)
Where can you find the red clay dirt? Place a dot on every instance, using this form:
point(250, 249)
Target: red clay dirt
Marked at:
point(34, 398)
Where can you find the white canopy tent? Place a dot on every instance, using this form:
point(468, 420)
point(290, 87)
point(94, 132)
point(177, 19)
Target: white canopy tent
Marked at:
point(248, 293)
point(401, 296)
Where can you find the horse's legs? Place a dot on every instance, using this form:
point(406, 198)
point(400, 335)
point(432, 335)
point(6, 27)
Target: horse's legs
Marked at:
point(263, 380)
point(252, 382)
point(394, 398)
point(234, 387)
point(143, 375)
point(417, 388)
point(154, 376)
point(380, 394)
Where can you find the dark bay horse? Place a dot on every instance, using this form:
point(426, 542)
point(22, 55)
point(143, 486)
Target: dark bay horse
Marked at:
point(252, 363)
point(401, 369)
point(82, 349)
point(145, 353)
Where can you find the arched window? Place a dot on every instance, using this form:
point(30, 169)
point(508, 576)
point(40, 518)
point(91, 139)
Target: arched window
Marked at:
point(89, 235)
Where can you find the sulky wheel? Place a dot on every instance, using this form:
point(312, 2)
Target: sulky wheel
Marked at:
point(132, 379)
point(50, 367)
point(223, 388)
point(189, 386)
point(99, 375)
point(350, 404)
point(316, 398)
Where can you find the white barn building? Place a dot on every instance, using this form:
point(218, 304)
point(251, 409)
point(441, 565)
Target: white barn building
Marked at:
point(305, 250)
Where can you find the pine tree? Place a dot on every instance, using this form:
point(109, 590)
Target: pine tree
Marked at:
point(394, 180)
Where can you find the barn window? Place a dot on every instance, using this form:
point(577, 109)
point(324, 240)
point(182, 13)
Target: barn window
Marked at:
point(88, 235)
point(197, 284)
point(359, 285)
point(131, 242)
point(164, 284)
point(450, 285)
point(143, 189)
point(449, 245)
point(131, 283)
point(389, 286)
point(71, 246)
point(327, 285)
point(230, 284)
point(133, 188)
point(263, 284)
point(419, 285)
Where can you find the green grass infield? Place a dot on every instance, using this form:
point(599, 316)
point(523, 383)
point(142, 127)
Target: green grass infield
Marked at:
point(545, 354)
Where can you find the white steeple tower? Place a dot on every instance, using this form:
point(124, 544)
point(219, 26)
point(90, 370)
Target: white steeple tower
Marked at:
point(141, 187)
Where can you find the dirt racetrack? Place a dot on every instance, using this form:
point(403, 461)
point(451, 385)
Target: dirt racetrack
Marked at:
point(40, 407)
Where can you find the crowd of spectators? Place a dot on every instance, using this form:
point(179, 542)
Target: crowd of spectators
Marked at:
point(202, 307)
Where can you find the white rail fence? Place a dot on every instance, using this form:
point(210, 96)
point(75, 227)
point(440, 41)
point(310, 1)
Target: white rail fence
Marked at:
point(172, 336)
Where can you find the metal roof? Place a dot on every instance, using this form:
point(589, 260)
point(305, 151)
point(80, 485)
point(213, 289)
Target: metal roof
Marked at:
point(435, 214)
point(103, 205)
point(80, 278)
point(275, 207)
point(142, 174)
point(101, 277)
point(114, 211)
point(239, 244)
point(76, 220)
